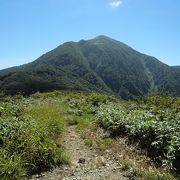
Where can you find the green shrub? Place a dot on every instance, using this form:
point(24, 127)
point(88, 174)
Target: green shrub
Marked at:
point(154, 124)
point(24, 140)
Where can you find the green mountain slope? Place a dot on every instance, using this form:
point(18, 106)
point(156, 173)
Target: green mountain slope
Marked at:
point(101, 64)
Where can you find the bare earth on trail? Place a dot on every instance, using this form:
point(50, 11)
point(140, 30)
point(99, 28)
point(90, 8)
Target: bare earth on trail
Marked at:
point(86, 163)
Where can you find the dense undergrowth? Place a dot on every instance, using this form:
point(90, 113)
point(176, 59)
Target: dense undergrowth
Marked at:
point(28, 137)
point(31, 128)
point(153, 122)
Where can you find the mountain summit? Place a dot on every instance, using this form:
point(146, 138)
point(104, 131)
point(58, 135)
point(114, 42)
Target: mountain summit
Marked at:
point(101, 64)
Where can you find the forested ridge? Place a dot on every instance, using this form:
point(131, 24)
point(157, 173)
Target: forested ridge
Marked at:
point(101, 64)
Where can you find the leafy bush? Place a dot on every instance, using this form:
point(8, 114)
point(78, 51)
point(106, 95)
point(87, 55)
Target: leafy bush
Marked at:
point(156, 126)
point(25, 144)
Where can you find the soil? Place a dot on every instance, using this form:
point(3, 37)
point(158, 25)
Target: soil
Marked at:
point(86, 163)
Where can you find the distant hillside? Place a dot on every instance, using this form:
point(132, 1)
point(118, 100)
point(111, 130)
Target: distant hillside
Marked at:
point(176, 67)
point(101, 64)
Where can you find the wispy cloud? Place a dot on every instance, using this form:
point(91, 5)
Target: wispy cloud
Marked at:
point(115, 3)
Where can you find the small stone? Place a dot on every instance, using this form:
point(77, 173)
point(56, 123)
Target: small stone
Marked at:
point(72, 174)
point(132, 178)
point(38, 176)
point(76, 170)
point(81, 160)
point(72, 122)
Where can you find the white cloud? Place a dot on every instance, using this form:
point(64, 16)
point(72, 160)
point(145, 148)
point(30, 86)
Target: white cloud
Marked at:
point(115, 3)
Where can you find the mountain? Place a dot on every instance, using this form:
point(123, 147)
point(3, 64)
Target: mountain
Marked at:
point(101, 64)
point(176, 67)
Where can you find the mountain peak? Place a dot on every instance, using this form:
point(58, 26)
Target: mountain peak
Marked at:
point(101, 64)
point(102, 37)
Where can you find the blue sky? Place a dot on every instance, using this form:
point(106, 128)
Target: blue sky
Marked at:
point(29, 28)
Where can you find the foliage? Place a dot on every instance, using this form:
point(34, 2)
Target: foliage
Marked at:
point(25, 144)
point(11, 167)
point(154, 122)
point(101, 64)
point(31, 128)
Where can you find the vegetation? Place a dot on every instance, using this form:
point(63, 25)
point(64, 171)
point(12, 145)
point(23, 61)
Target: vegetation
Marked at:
point(153, 122)
point(31, 131)
point(27, 142)
point(101, 64)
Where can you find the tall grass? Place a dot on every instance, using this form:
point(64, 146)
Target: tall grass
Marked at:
point(28, 135)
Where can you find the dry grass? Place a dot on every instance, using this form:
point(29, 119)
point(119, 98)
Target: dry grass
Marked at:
point(133, 161)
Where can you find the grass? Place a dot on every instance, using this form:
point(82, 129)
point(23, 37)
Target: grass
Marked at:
point(30, 130)
point(51, 116)
point(31, 133)
point(133, 162)
point(11, 167)
point(125, 164)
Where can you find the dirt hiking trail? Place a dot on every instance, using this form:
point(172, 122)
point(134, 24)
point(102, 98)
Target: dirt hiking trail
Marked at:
point(85, 162)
